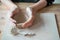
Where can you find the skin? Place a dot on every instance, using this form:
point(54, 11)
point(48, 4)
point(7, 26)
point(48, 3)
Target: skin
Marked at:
point(15, 9)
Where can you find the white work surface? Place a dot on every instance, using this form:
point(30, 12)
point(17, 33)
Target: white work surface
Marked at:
point(45, 28)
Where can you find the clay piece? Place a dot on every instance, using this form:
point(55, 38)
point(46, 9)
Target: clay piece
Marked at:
point(30, 35)
point(2, 18)
point(14, 31)
point(19, 26)
point(0, 31)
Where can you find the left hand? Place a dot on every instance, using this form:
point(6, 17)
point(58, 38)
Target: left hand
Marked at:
point(30, 19)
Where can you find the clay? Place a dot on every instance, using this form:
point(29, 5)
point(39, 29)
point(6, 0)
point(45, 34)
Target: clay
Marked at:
point(14, 31)
point(30, 35)
point(2, 18)
point(17, 31)
point(19, 26)
point(0, 31)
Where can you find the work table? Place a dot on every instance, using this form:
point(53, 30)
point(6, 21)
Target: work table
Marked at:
point(55, 8)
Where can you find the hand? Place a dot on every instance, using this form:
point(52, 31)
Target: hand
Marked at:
point(28, 23)
point(30, 13)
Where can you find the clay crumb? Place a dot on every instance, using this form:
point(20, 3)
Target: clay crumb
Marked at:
point(30, 35)
point(0, 31)
point(14, 31)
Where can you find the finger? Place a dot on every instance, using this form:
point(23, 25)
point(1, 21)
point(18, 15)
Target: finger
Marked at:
point(12, 16)
point(28, 23)
point(14, 21)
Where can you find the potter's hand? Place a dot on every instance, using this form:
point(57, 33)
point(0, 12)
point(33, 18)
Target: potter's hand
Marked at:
point(30, 18)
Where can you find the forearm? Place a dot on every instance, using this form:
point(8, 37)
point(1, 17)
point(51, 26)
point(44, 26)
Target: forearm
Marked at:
point(39, 5)
point(11, 6)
